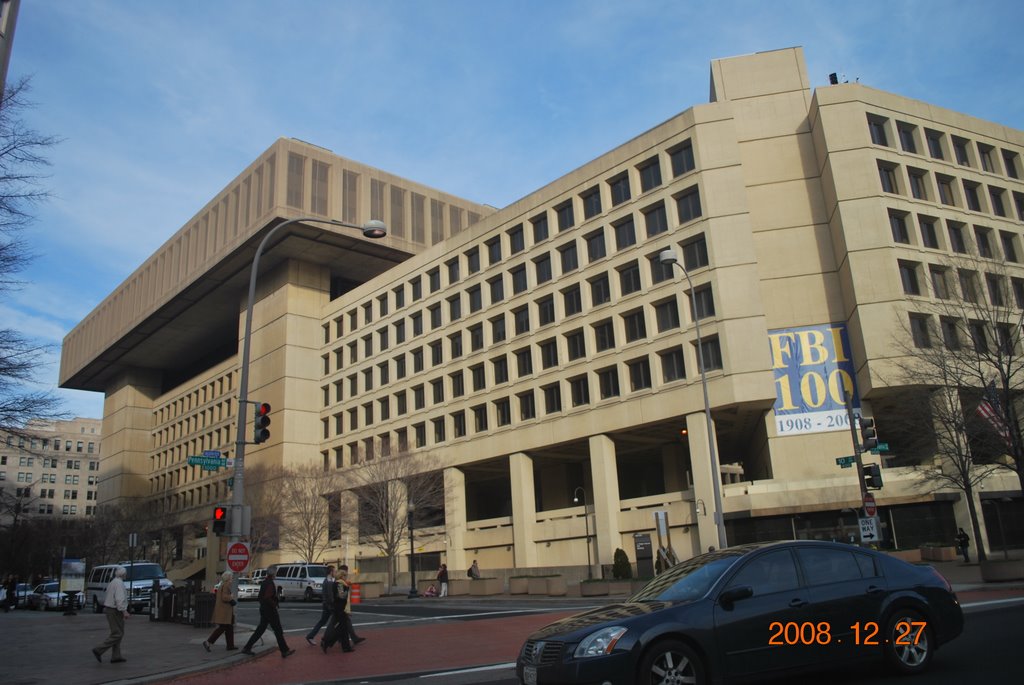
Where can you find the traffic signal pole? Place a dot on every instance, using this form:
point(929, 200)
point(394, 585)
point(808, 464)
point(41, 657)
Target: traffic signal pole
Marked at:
point(856, 447)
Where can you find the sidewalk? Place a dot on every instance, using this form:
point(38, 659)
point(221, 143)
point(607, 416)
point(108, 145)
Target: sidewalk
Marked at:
point(48, 647)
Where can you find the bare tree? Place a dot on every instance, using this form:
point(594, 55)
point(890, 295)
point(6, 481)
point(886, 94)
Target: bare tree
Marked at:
point(384, 489)
point(21, 163)
point(264, 493)
point(305, 519)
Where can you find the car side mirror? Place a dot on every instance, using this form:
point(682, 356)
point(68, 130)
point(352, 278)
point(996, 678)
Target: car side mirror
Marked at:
point(734, 594)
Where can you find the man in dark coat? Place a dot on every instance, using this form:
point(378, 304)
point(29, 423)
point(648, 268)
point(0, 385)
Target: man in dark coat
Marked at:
point(328, 606)
point(268, 617)
point(337, 628)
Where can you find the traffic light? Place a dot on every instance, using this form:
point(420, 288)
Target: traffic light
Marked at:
point(868, 437)
point(260, 433)
point(872, 477)
point(220, 519)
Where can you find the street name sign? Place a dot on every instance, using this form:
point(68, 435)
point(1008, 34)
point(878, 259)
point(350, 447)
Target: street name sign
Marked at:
point(208, 463)
point(845, 462)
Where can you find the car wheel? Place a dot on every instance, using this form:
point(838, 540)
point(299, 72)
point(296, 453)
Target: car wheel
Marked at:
point(670, 662)
point(908, 642)
point(308, 595)
point(42, 606)
point(96, 605)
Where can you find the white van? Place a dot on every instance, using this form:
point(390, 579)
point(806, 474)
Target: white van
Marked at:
point(300, 581)
point(138, 582)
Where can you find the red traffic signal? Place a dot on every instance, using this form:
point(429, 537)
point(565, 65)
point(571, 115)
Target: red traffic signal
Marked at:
point(220, 519)
point(260, 433)
point(220, 513)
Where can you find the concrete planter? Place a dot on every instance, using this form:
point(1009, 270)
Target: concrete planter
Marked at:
point(538, 585)
point(594, 588)
point(911, 555)
point(998, 570)
point(518, 586)
point(486, 586)
point(620, 587)
point(458, 586)
point(944, 553)
point(557, 586)
point(370, 590)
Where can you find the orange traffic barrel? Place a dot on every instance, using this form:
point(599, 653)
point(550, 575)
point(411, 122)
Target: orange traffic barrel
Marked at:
point(355, 594)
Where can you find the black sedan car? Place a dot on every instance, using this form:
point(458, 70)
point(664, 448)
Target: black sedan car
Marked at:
point(754, 610)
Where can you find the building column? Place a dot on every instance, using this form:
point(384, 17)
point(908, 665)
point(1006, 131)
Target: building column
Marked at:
point(605, 499)
point(127, 441)
point(455, 517)
point(703, 486)
point(524, 510)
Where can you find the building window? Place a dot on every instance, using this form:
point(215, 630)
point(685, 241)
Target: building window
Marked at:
point(996, 197)
point(503, 411)
point(695, 253)
point(565, 217)
point(455, 308)
point(919, 331)
point(702, 303)
point(996, 285)
point(493, 251)
point(672, 367)
point(968, 285)
point(576, 345)
point(516, 239)
point(417, 324)
point(945, 184)
point(417, 360)
point(545, 312)
point(591, 202)
point(688, 205)
point(436, 353)
point(906, 132)
point(472, 261)
point(711, 353)
point(655, 219)
point(435, 316)
point(540, 228)
point(500, 367)
point(476, 337)
point(498, 329)
point(940, 282)
point(950, 334)
point(1009, 241)
point(521, 316)
point(453, 274)
point(1018, 292)
point(572, 300)
point(659, 272)
point(570, 260)
point(956, 237)
point(667, 314)
point(960, 149)
point(549, 354)
point(579, 389)
point(971, 196)
point(604, 335)
point(552, 398)
point(985, 157)
point(619, 187)
point(876, 127)
point(639, 374)
point(600, 290)
point(981, 237)
point(595, 245)
point(434, 279)
point(1010, 162)
point(934, 139)
point(527, 407)
point(455, 344)
point(978, 337)
point(519, 280)
point(887, 175)
point(399, 332)
point(458, 384)
point(497, 286)
point(636, 327)
point(542, 267)
point(629, 278)
point(929, 236)
point(1018, 201)
point(419, 399)
point(650, 174)
point(898, 225)
point(625, 233)
point(524, 362)
point(476, 302)
point(479, 375)
point(459, 424)
point(608, 382)
point(918, 184)
point(681, 157)
point(908, 276)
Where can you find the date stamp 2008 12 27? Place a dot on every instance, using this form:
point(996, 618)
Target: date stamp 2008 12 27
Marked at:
point(906, 633)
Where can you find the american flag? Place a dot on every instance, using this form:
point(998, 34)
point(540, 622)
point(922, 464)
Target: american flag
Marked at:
point(989, 410)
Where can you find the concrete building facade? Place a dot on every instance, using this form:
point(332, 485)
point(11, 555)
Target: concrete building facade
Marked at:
point(541, 353)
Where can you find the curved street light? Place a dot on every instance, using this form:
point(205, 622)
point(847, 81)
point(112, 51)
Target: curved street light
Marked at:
point(669, 257)
point(578, 494)
point(374, 229)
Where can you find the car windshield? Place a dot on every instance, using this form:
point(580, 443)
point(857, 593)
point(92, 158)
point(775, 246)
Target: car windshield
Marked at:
point(144, 572)
point(316, 571)
point(688, 580)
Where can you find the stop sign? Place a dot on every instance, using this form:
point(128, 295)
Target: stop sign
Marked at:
point(238, 556)
point(869, 505)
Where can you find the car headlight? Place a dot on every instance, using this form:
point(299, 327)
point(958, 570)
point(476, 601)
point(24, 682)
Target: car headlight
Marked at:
point(316, 586)
point(600, 643)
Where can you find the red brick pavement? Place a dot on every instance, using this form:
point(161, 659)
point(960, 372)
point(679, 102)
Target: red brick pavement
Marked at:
point(405, 649)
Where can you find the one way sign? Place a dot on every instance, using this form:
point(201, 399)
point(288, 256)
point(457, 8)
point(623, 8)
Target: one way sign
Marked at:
point(869, 529)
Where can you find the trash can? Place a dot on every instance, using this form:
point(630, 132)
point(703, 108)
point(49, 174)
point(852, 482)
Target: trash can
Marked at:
point(203, 616)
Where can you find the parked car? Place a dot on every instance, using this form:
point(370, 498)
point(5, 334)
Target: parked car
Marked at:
point(21, 595)
point(247, 589)
point(138, 582)
point(300, 581)
point(754, 610)
point(48, 596)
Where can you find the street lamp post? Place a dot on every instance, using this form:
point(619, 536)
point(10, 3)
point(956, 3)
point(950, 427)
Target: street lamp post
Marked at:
point(578, 494)
point(412, 551)
point(669, 257)
point(372, 229)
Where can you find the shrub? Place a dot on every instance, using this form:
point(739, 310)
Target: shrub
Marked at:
point(621, 568)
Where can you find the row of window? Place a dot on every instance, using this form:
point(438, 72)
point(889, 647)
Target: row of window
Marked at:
point(28, 477)
point(646, 176)
point(948, 191)
point(79, 446)
point(967, 153)
point(602, 384)
point(529, 316)
point(51, 463)
point(48, 493)
point(1001, 290)
point(607, 334)
point(67, 510)
point(217, 388)
point(959, 238)
point(955, 333)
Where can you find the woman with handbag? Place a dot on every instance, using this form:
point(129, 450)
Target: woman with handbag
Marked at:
point(223, 612)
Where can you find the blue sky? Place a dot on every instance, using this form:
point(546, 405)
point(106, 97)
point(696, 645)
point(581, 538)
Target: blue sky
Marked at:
point(161, 104)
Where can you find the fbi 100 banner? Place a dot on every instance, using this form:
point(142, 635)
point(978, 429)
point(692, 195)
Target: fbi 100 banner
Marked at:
point(813, 372)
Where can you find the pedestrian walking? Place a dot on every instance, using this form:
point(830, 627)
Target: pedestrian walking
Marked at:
point(12, 593)
point(343, 580)
point(327, 594)
point(442, 580)
point(224, 613)
point(115, 606)
point(268, 617)
point(336, 627)
point(963, 543)
point(474, 571)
